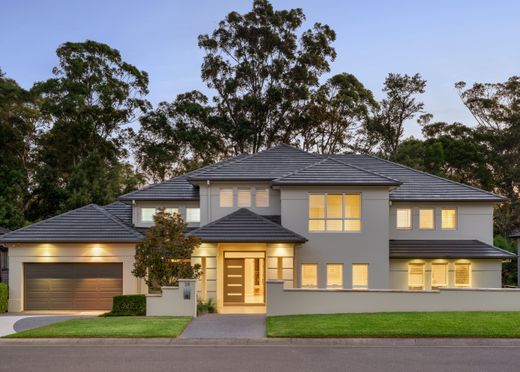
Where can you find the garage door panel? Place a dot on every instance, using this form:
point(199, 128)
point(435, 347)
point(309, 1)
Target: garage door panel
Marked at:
point(72, 286)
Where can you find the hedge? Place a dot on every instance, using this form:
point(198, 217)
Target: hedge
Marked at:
point(131, 305)
point(4, 295)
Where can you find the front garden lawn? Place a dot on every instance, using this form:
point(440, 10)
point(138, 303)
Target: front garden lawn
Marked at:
point(128, 326)
point(425, 324)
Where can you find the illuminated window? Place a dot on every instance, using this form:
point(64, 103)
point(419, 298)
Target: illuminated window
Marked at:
point(262, 198)
point(192, 214)
point(415, 276)
point(309, 276)
point(449, 218)
point(462, 275)
point(439, 275)
point(244, 197)
point(404, 218)
point(334, 276)
point(426, 219)
point(169, 210)
point(147, 214)
point(360, 276)
point(335, 212)
point(226, 198)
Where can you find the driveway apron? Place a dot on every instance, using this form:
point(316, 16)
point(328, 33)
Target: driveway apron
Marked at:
point(226, 326)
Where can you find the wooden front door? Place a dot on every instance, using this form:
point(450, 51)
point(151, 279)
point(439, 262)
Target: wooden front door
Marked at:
point(234, 280)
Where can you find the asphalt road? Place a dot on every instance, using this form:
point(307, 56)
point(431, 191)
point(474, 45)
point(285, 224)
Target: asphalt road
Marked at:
point(288, 358)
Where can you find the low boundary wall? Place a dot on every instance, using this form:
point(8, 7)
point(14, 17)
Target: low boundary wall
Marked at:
point(174, 301)
point(282, 301)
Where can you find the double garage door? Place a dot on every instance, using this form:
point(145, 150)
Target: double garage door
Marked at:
point(71, 286)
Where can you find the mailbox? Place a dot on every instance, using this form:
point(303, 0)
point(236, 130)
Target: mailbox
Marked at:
point(186, 291)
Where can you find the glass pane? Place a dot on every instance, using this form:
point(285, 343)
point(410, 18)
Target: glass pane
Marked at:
point(226, 198)
point(449, 219)
point(262, 198)
point(360, 276)
point(426, 219)
point(316, 206)
point(353, 206)
point(171, 210)
point(309, 276)
point(193, 215)
point(316, 225)
point(334, 207)
point(404, 218)
point(147, 214)
point(334, 225)
point(462, 275)
point(335, 276)
point(416, 276)
point(352, 225)
point(439, 275)
point(244, 198)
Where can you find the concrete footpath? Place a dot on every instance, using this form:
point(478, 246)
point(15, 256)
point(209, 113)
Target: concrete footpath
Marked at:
point(226, 326)
point(336, 342)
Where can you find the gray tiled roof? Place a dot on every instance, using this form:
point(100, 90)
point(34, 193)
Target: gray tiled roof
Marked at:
point(515, 235)
point(266, 165)
point(245, 226)
point(417, 185)
point(445, 249)
point(90, 223)
point(120, 210)
point(333, 172)
point(3, 230)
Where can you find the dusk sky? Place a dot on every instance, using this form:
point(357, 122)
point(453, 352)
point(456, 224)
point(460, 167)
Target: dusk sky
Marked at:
point(445, 41)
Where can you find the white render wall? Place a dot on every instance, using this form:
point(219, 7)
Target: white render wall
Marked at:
point(484, 273)
point(475, 221)
point(69, 252)
point(369, 246)
point(282, 301)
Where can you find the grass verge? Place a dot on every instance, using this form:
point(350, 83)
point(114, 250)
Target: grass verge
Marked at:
point(139, 326)
point(416, 324)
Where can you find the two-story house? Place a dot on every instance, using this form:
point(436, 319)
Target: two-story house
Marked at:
point(314, 221)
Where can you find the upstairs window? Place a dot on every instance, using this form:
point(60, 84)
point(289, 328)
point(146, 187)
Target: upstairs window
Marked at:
point(404, 218)
point(309, 276)
point(449, 218)
point(462, 275)
point(171, 211)
point(426, 219)
point(359, 276)
point(226, 198)
point(244, 197)
point(192, 215)
point(439, 275)
point(415, 276)
point(148, 213)
point(262, 198)
point(335, 212)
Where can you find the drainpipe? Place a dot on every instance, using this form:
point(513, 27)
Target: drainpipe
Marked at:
point(208, 198)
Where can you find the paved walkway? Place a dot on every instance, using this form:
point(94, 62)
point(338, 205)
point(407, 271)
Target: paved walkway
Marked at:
point(226, 326)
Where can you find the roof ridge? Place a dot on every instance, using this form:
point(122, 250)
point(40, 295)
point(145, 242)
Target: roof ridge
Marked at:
point(44, 221)
point(236, 159)
point(299, 170)
point(117, 220)
point(435, 176)
point(366, 170)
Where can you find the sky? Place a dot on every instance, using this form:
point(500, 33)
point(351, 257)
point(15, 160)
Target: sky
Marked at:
point(445, 41)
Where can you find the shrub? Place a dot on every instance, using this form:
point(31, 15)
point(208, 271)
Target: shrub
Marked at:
point(206, 307)
point(4, 295)
point(128, 305)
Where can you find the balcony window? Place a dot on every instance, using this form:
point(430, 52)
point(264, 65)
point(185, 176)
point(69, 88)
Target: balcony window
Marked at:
point(334, 276)
point(335, 212)
point(449, 219)
point(404, 218)
point(226, 198)
point(426, 219)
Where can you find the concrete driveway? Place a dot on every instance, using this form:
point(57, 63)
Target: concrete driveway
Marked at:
point(17, 322)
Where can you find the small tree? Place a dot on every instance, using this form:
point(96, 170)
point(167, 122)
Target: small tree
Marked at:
point(164, 256)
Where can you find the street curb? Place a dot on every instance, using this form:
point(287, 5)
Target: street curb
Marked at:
point(352, 342)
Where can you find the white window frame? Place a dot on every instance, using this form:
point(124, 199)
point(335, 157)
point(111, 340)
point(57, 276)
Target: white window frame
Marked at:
point(456, 219)
point(256, 197)
point(241, 191)
point(188, 219)
point(343, 213)
point(220, 198)
point(397, 219)
point(433, 218)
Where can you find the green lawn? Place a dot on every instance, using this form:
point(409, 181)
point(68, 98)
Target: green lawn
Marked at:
point(138, 326)
point(431, 324)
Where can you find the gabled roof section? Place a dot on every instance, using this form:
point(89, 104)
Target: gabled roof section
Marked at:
point(90, 223)
point(120, 210)
point(446, 249)
point(417, 185)
point(245, 226)
point(267, 165)
point(331, 172)
point(176, 188)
